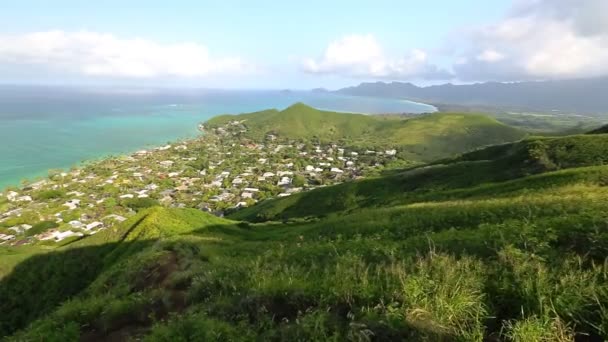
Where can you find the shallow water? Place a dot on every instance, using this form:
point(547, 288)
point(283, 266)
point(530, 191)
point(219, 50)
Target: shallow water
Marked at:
point(49, 128)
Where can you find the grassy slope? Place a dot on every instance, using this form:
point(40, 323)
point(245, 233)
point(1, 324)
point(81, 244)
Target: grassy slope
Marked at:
point(461, 177)
point(425, 138)
point(507, 243)
point(44, 280)
point(601, 130)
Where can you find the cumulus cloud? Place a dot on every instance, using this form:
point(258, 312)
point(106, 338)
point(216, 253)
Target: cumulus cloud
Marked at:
point(363, 56)
point(539, 39)
point(97, 54)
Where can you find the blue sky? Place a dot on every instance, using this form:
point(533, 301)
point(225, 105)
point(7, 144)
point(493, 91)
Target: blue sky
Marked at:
point(272, 44)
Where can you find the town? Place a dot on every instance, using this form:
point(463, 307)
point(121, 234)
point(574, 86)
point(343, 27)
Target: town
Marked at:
point(218, 172)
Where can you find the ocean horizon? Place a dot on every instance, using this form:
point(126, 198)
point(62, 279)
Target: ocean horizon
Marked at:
point(44, 128)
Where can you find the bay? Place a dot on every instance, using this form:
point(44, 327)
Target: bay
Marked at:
point(44, 128)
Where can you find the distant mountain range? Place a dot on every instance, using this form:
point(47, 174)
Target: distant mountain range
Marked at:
point(583, 96)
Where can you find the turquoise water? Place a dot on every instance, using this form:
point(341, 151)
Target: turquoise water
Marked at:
point(49, 128)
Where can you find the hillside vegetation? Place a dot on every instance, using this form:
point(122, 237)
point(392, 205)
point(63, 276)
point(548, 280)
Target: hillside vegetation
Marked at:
point(472, 174)
point(426, 138)
point(507, 243)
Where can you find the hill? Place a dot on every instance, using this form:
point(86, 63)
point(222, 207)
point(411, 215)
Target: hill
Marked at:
point(460, 177)
point(427, 137)
point(601, 130)
point(579, 96)
point(507, 243)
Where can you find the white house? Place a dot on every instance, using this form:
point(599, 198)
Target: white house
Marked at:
point(11, 196)
point(72, 204)
point(166, 163)
point(247, 195)
point(93, 225)
point(76, 224)
point(390, 152)
point(284, 181)
point(309, 168)
point(64, 235)
point(336, 170)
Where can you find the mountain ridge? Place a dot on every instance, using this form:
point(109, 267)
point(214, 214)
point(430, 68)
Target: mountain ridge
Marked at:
point(584, 96)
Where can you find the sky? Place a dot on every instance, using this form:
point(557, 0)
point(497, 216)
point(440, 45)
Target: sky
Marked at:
point(298, 45)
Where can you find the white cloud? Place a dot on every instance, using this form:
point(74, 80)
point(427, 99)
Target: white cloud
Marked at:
point(540, 39)
point(97, 54)
point(362, 56)
point(490, 56)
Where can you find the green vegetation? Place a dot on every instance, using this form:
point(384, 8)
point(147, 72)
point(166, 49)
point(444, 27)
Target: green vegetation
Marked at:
point(504, 243)
point(601, 130)
point(473, 174)
point(425, 138)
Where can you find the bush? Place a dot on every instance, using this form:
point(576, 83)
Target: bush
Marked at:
point(41, 227)
point(138, 204)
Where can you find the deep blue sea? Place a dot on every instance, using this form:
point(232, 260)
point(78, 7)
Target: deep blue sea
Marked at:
point(44, 128)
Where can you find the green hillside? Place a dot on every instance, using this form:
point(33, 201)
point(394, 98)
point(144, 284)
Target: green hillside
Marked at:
point(507, 243)
point(427, 137)
point(601, 130)
point(461, 177)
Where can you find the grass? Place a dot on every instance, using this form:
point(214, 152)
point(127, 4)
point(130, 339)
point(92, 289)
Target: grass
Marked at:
point(508, 243)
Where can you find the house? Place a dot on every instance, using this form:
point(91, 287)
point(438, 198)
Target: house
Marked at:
point(11, 196)
point(116, 217)
point(268, 174)
point(93, 225)
point(166, 163)
point(251, 189)
point(126, 196)
point(284, 181)
point(151, 187)
point(64, 235)
point(284, 173)
point(237, 181)
point(350, 164)
point(262, 160)
point(309, 168)
point(7, 237)
point(336, 170)
point(390, 152)
point(24, 199)
point(354, 154)
point(241, 205)
point(76, 224)
point(247, 195)
point(72, 204)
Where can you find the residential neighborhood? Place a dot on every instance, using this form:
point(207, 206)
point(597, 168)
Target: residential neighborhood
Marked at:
point(218, 172)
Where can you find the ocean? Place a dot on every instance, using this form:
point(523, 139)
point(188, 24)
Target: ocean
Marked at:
point(44, 128)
